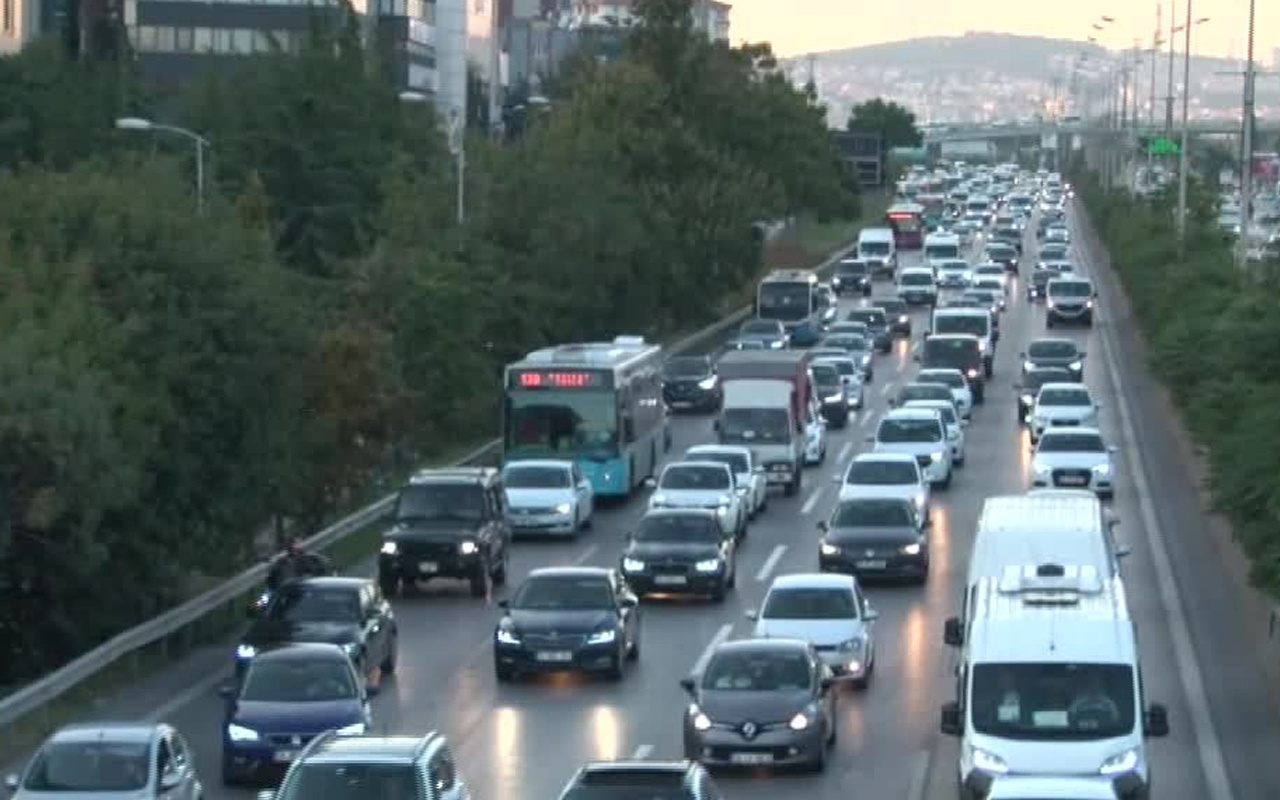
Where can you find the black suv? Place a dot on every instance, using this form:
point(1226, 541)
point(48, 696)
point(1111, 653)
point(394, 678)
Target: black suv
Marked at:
point(448, 523)
point(691, 382)
point(852, 275)
point(360, 767)
point(668, 780)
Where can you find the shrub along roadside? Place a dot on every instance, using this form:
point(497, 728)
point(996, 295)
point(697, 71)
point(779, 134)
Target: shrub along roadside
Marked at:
point(1213, 336)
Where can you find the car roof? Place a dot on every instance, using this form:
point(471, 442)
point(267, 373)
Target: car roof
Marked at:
point(133, 732)
point(962, 311)
point(906, 270)
point(1051, 340)
point(571, 572)
point(1065, 385)
point(369, 749)
point(813, 580)
point(539, 462)
point(300, 650)
point(736, 449)
point(1072, 278)
point(695, 463)
point(876, 455)
point(951, 336)
point(949, 370)
point(910, 413)
point(453, 475)
point(679, 512)
point(921, 403)
point(756, 644)
point(1055, 431)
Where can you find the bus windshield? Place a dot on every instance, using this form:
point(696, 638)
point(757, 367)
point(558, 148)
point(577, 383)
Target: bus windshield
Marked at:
point(561, 424)
point(786, 301)
point(938, 252)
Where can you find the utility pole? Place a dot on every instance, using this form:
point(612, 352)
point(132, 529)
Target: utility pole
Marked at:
point(1168, 100)
point(1246, 168)
point(1155, 54)
point(1182, 150)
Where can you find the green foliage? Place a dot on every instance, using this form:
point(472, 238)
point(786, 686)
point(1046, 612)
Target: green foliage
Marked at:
point(892, 121)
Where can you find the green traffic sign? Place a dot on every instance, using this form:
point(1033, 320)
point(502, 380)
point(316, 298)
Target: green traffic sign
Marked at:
point(1164, 147)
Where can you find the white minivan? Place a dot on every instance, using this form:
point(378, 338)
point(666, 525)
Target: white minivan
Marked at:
point(877, 247)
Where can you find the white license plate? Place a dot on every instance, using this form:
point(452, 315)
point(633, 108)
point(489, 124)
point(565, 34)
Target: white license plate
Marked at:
point(285, 756)
point(867, 564)
point(1072, 481)
point(555, 656)
point(751, 758)
point(670, 580)
point(428, 566)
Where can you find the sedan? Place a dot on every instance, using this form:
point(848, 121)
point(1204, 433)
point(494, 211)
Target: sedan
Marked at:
point(1067, 405)
point(995, 287)
point(858, 349)
point(993, 271)
point(567, 618)
point(691, 382)
point(895, 309)
point(833, 393)
point(877, 322)
point(110, 761)
point(875, 538)
point(681, 551)
point(881, 475)
point(769, 331)
point(1040, 278)
point(850, 372)
point(921, 390)
point(827, 611)
point(954, 380)
point(701, 484)
point(1061, 353)
point(1032, 380)
point(761, 702)
point(921, 434)
point(954, 274)
point(1073, 458)
point(752, 486)
point(547, 497)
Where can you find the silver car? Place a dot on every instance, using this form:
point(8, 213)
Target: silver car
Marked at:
point(701, 484)
point(830, 612)
point(110, 761)
point(1074, 458)
point(1062, 405)
point(546, 496)
point(752, 485)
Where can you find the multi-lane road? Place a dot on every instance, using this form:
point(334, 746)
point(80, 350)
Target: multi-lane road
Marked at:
point(523, 740)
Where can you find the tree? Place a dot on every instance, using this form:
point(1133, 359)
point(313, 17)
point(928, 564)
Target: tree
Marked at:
point(895, 123)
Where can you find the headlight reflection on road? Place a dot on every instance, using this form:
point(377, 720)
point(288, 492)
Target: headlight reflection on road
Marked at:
point(1026, 452)
point(918, 666)
point(604, 732)
point(508, 753)
point(939, 535)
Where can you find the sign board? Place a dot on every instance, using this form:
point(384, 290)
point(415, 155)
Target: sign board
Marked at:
point(1162, 146)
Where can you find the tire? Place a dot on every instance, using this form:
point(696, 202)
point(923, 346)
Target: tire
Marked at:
point(615, 672)
point(388, 665)
point(732, 581)
point(390, 585)
point(819, 764)
point(946, 482)
point(1048, 321)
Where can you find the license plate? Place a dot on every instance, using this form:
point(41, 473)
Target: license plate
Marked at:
point(751, 758)
point(428, 566)
point(1072, 480)
point(681, 404)
point(555, 656)
point(670, 580)
point(868, 564)
point(285, 756)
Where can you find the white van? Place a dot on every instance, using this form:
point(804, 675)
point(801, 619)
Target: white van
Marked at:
point(877, 247)
point(970, 321)
point(1049, 682)
point(941, 247)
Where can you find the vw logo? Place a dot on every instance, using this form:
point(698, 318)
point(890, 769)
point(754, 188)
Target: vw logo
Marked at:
point(297, 741)
point(871, 552)
point(749, 730)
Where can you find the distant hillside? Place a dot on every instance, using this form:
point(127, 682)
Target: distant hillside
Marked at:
point(998, 52)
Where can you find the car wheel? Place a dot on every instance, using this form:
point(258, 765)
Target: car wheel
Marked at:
point(819, 763)
point(388, 665)
point(720, 591)
point(1048, 322)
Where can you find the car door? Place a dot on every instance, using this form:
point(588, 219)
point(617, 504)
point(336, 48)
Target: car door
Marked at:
point(586, 497)
point(627, 605)
point(183, 770)
point(498, 527)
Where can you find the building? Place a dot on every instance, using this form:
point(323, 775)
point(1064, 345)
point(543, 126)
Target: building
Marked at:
point(712, 17)
point(22, 21)
point(863, 155)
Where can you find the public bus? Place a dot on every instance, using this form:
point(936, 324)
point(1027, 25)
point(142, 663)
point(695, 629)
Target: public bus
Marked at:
point(598, 404)
point(907, 221)
point(790, 296)
point(935, 209)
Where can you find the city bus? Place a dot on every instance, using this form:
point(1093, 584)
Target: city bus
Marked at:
point(598, 404)
point(790, 296)
point(907, 221)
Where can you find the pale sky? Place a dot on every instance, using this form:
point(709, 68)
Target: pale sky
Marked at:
point(802, 26)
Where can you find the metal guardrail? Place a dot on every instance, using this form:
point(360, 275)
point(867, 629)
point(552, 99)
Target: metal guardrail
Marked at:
point(32, 697)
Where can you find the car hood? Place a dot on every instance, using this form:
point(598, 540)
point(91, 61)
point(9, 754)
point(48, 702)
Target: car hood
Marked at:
point(819, 632)
point(905, 491)
point(682, 552)
point(911, 448)
point(443, 530)
point(762, 708)
point(265, 632)
point(295, 717)
point(562, 621)
point(538, 498)
point(1072, 460)
point(136, 794)
point(874, 538)
point(690, 498)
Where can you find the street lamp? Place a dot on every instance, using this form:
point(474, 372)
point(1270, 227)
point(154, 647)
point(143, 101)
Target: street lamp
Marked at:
point(457, 147)
point(141, 125)
point(1182, 148)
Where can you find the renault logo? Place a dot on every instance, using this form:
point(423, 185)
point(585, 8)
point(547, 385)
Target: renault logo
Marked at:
point(749, 730)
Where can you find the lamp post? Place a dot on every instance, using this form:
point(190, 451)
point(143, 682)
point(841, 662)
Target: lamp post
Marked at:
point(456, 132)
point(1246, 167)
point(141, 125)
point(1182, 147)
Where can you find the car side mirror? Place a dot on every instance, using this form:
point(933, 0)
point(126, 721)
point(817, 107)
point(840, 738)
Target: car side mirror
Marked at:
point(1123, 550)
point(170, 779)
point(752, 614)
point(951, 724)
point(688, 685)
point(1017, 387)
point(1113, 449)
point(870, 614)
point(952, 633)
point(1097, 405)
point(1022, 354)
point(650, 483)
point(823, 526)
point(1155, 723)
point(826, 683)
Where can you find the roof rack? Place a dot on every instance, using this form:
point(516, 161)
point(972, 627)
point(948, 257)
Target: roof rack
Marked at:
point(1050, 584)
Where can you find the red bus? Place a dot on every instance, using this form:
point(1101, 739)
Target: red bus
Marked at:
point(907, 222)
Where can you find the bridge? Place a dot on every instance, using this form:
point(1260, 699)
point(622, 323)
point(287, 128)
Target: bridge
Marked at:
point(994, 132)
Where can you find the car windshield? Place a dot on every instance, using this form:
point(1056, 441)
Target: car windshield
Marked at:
point(989, 283)
point(947, 352)
point(94, 766)
point(754, 426)
point(997, 251)
point(1064, 397)
point(826, 375)
point(1071, 288)
point(916, 278)
point(892, 307)
point(695, 478)
point(1051, 350)
point(898, 431)
point(810, 603)
point(686, 368)
point(947, 412)
point(924, 391)
point(1053, 253)
point(874, 248)
point(677, 528)
point(882, 473)
point(855, 268)
point(306, 602)
point(976, 324)
point(440, 501)
point(761, 327)
point(954, 266)
point(1055, 442)
point(522, 477)
point(784, 300)
point(848, 328)
point(772, 670)
point(872, 513)
point(737, 462)
point(627, 784)
point(299, 680)
point(844, 366)
point(357, 781)
point(564, 593)
point(1053, 701)
point(1042, 276)
point(952, 379)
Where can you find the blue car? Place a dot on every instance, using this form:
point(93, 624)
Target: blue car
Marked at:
point(288, 697)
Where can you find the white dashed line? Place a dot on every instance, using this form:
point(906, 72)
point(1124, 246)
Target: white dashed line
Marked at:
point(811, 501)
point(586, 555)
point(845, 450)
point(770, 563)
point(183, 698)
point(721, 635)
point(642, 752)
point(919, 776)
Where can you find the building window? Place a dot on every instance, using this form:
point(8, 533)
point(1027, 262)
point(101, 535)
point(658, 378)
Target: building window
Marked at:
point(8, 16)
point(184, 40)
point(147, 38)
point(165, 36)
point(203, 40)
point(242, 41)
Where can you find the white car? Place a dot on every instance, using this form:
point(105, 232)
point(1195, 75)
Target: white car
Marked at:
point(546, 496)
point(991, 270)
point(877, 475)
point(955, 425)
point(815, 449)
point(1056, 233)
point(917, 432)
point(701, 484)
point(992, 284)
point(751, 483)
point(1074, 458)
point(1062, 405)
point(827, 610)
point(917, 287)
point(953, 379)
point(954, 274)
point(850, 373)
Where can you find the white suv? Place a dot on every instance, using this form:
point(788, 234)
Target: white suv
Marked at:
point(701, 484)
point(918, 432)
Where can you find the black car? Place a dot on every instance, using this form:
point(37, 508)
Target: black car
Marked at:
point(568, 618)
point(448, 523)
point(681, 551)
point(877, 322)
point(350, 612)
point(658, 780)
point(691, 382)
point(1054, 353)
point(852, 275)
point(1004, 254)
point(875, 538)
point(1032, 380)
point(896, 313)
point(1040, 278)
point(832, 393)
point(956, 351)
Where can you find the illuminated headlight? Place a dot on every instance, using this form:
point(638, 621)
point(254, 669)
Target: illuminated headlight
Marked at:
point(982, 345)
point(903, 319)
point(936, 457)
point(1088, 304)
point(507, 637)
point(1051, 304)
point(989, 762)
point(564, 508)
point(919, 498)
point(741, 491)
point(701, 722)
point(632, 565)
point(602, 637)
point(239, 733)
point(351, 648)
point(390, 548)
point(658, 500)
point(1028, 365)
point(1040, 468)
point(356, 729)
point(835, 398)
point(799, 722)
point(710, 565)
point(972, 373)
point(707, 383)
point(468, 547)
point(246, 651)
point(1027, 399)
point(776, 344)
point(1120, 762)
point(1076, 366)
point(1103, 469)
point(835, 280)
point(829, 549)
point(912, 549)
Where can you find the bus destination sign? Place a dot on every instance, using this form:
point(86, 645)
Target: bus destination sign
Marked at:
point(559, 379)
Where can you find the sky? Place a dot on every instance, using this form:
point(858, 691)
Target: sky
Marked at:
point(802, 26)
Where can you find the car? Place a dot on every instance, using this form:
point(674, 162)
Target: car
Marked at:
point(1040, 277)
point(992, 270)
point(745, 344)
point(815, 448)
point(988, 298)
point(954, 380)
point(110, 761)
point(954, 274)
point(547, 497)
point(856, 347)
point(749, 477)
point(567, 618)
point(875, 537)
point(956, 351)
point(681, 551)
point(877, 322)
point(761, 702)
point(1057, 234)
point(895, 308)
point(916, 286)
point(852, 275)
point(833, 393)
point(701, 484)
point(918, 432)
point(691, 382)
point(288, 697)
point(1054, 251)
point(343, 767)
point(1005, 254)
point(660, 780)
point(886, 475)
point(447, 523)
point(1073, 458)
point(348, 612)
point(850, 372)
point(1029, 387)
point(1046, 352)
point(1065, 405)
point(1069, 299)
point(976, 322)
point(770, 331)
point(850, 327)
point(946, 408)
point(827, 611)
point(996, 288)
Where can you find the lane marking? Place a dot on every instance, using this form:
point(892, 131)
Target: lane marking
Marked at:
point(1207, 744)
point(721, 635)
point(844, 452)
point(585, 555)
point(770, 563)
point(884, 390)
point(186, 696)
point(919, 773)
point(812, 501)
point(642, 752)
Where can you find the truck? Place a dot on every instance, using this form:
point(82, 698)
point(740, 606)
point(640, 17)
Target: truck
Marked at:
point(767, 400)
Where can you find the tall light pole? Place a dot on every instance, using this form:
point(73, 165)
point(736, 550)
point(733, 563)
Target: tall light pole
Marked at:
point(142, 125)
point(1168, 99)
point(1182, 149)
point(1246, 168)
point(456, 132)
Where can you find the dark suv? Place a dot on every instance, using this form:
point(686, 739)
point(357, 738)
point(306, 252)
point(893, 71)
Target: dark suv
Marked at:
point(336, 767)
point(448, 523)
point(668, 780)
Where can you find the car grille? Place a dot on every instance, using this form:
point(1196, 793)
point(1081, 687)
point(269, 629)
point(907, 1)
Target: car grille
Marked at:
point(290, 739)
point(682, 388)
point(530, 512)
point(1069, 308)
point(427, 550)
point(563, 641)
point(1071, 477)
point(924, 461)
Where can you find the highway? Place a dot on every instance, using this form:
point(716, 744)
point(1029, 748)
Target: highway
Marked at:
point(523, 740)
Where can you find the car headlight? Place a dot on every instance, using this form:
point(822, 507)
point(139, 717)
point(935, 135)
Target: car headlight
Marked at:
point(356, 729)
point(246, 651)
point(835, 398)
point(239, 733)
point(507, 636)
point(1027, 399)
point(658, 500)
point(972, 373)
point(701, 722)
point(829, 549)
point(390, 548)
point(1088, 304)
point(602, 637)
point(467, 547)
point(982, 346)
point(707, 383)
point(1076, 366)
point(776, 344)
point(903, 319)
point(1049, 302)
point(989, 762)
point(351, 648)
point(936, 457)
point(799, 722)
point(1120, 762)
point(1028, 365)
point(851, 645)
point(912, 549)
point(564, 508)
point(741, 491)
point(1103, 469)
point(709, 565)
point(632, 565)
